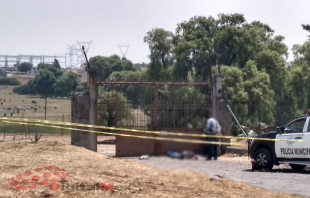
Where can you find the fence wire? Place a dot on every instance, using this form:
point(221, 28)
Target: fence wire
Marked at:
point(162, 105)
point(32, 107)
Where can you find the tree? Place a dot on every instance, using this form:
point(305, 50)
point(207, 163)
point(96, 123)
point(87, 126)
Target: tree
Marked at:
point(43, 66)
point(230, 40)
point(299, 76)
point(193, 49)
point(56, 64)
point(132, 92)
point(24, 89)
point(301, 53)
point(306, 27)
point(9, 81)
point(57, 72)
point(160, 45)
point(44, 84)
point(106, 65)
point(64, 84)
point(257, 84)
point(25, 67)
point(114, 110)
point(274, 65)
point(233, 86)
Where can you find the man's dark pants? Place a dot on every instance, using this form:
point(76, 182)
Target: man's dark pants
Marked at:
point(211, 149)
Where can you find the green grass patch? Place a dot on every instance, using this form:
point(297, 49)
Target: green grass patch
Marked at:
point(18, 128)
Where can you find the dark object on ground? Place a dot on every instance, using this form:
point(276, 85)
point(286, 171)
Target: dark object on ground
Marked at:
point(183, 155)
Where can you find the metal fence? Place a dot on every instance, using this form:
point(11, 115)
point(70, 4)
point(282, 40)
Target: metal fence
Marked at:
point(32, 107)
point(162, 105)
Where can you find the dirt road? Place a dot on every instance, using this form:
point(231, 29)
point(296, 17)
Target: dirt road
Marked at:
point(281, 179)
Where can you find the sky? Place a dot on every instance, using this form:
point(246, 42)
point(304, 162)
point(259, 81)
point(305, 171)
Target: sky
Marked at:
point(47, 26)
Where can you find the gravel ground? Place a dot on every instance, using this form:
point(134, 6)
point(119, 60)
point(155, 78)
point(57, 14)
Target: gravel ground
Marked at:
point(280, 179)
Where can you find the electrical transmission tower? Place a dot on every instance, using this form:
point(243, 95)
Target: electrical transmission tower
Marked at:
point(72, 53)
point(81, 57)
point(123, 53)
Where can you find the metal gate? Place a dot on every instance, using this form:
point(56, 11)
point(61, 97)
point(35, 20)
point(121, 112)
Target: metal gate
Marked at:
point(153, 105)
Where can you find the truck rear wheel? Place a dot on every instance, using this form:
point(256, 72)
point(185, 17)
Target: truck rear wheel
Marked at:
point(263, 159)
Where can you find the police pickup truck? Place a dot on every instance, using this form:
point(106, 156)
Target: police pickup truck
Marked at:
point(265, 154)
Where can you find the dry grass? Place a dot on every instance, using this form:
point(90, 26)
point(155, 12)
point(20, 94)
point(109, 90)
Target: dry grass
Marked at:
point(89, 168)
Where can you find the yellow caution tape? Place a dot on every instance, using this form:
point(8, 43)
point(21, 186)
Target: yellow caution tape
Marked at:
point(121, 129)
point(144, 131)
point(135, 136)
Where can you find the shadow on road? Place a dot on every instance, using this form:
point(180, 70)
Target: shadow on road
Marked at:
point(287, 171)
point(106, 142)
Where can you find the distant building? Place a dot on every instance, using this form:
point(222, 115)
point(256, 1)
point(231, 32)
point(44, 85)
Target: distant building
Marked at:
point(81, 74)
point(10, 75)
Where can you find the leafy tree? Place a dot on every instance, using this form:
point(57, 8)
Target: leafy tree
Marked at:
point(64, 84)
point(44, 84)
point(194, 47)
point(57, 72)
point(24, 89)
point(114, 110)
point(258, 87)
point(230, 40)
point(25, 67)
point(300, 74)
point(301, 53)
point(106, 65)
point(160, 44)
point(306, 27)
point(233, 85)
point(43, 66)
point(132, 92)
point(299, 79)
point(273, 64)
point(9, 81)
point(51, 81)
point(56, 64)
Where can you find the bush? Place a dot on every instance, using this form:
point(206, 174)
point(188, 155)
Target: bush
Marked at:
point(24, 89)
point(9, 81)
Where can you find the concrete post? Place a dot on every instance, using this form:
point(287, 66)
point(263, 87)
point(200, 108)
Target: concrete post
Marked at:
point(93, 95)
point(216, 94)
point(80, 114)
point(84, 111)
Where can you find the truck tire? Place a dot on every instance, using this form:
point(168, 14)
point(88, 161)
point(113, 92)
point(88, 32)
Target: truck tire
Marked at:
point(297, 167)
point(263, 159)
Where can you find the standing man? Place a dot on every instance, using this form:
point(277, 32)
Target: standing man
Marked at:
point(212, 128)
